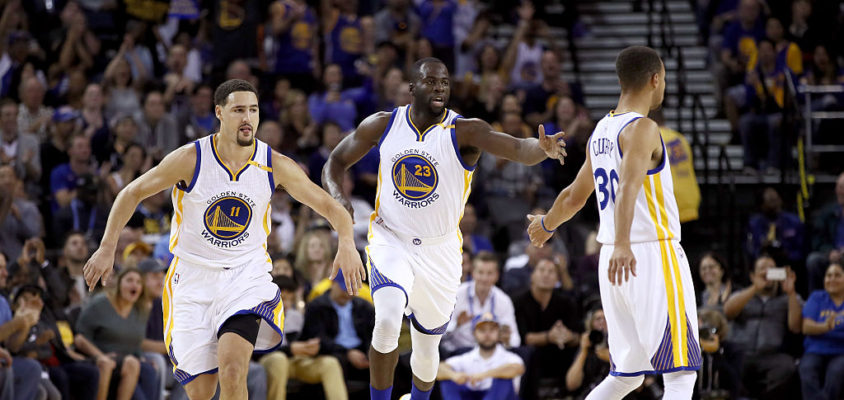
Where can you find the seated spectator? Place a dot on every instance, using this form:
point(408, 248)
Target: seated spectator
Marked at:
point(20, 150)
point(33, 116)
point(774, 228)
point(300, 359)
point(68, 371)
point(761, 316)
point(592, 363)
point(479, 296)
point(549, 323)
point(87, 212)
point(313, 258)
point(64, 178)
point(343, 324)
point(739, 44)
point(716, 280)
point(19, 217)
point(178, 85)
point(347, 39)
point(681, 157)
point(293, 28)
point(720, 374)
point(333, 103)
point(788, 54)
point(197, 119)
point(487, 372)
point(517, 279)
point(157, 130)
point(397, 24)
point(120, 85)
point(25, 374)
point(297, 123)
point(94, 123)
point(524, 53)
point(540, 98)
point(331, 136)
point(475, 242)
point(827, 240)
point(133, 165)
point(62, 130)
point(763, 95)
point(822, 365)
point(113, 325)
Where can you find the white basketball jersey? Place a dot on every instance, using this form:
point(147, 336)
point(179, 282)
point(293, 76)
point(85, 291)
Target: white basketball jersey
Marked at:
point(422, 181)
point(656, 216)
point(222, 217)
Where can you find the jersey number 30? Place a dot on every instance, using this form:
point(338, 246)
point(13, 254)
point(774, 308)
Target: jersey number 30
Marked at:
point(602, 180)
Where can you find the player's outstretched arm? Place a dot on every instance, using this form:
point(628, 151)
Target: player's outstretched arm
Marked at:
point(476, 133)
point(567, 204)
point(639, 142)
point(350, 150)
point(289, 175)
point(176, 167)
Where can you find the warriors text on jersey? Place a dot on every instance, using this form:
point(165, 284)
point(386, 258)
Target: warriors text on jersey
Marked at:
point(655, 216)
point(221, 217)
point(422, 181)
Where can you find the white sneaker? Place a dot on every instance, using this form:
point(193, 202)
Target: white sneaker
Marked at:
point(405, 397)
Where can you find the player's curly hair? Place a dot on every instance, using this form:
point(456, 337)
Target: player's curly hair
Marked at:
point(221, 95)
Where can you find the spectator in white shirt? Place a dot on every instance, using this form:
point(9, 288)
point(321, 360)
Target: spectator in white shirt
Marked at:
point(487, 372)
point(478, 296)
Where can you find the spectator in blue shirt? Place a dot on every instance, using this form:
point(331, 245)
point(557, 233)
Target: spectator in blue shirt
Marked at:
point(827, 237)
point(437, 26)
point(822, 366)
point(775, 228)
point(63, 178)
point(333, 104)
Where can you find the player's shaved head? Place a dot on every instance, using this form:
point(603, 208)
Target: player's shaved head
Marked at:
point(416, 72)
point(635, 66)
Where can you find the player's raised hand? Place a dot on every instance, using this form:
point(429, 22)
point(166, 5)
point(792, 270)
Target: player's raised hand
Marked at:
point(554, 146)
point(98, 266)
point(538, 232)
point(347, 262)
point(622, 264)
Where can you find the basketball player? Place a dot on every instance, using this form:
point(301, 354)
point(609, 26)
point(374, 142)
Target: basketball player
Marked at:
point(646, 286)
point(428, 154)
point(219, 301)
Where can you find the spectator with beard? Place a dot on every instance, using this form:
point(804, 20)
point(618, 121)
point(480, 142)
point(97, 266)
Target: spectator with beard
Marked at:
point(488, 371)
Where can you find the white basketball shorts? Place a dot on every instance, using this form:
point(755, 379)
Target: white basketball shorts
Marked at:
point(198, 299)
point(427, 270)
point(652, 318)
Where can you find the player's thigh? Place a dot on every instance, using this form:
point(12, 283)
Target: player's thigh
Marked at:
point(437, 276)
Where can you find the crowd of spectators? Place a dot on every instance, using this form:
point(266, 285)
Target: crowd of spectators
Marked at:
point(95, 92)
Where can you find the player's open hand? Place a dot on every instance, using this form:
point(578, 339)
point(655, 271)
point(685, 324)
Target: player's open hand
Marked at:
point(622, 265)
point(554, 146)
point(347, 262)
point(538, 234)
point(99, 266)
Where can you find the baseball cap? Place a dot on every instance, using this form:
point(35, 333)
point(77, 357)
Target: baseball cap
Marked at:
point(65, 114)
point(340, 279)
point(151, 265)
point(483, 318)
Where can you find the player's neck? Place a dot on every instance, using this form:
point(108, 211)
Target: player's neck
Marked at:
point(636, 102)
point(423, 119)
point(229, 150)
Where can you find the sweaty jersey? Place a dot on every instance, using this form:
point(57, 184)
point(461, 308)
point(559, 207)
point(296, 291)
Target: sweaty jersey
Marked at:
point(655, 216)
point(222, 217)
point(423, 183)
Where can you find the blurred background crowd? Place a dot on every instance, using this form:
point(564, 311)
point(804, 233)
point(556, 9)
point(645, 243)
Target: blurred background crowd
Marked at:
point(95, 92)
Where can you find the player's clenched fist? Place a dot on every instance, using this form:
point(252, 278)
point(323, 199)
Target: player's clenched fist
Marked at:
point(622, 264)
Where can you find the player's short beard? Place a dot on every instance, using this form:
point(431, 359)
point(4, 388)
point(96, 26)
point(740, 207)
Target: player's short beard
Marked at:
point(246, 142)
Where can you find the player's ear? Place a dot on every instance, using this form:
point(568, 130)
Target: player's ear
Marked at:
point(218, 112)
point(655, 80)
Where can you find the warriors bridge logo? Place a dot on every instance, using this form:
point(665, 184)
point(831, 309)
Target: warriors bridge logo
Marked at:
point(415, 179)
point(226, 219)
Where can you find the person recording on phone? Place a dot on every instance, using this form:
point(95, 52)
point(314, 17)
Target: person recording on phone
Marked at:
point(760, 315)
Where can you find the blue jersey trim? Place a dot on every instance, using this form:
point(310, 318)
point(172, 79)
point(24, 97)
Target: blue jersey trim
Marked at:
point(378, 281)
point(456, 147)
point(617, 143)
point(270, 171)
point(436, 331)
point(198, 163)
point(651, 372)
point(387, 129)
point(184, 378)
point(664, 156)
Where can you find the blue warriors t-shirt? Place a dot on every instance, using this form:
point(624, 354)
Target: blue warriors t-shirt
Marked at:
point(818, 308)
point(438, 22)
point(293, 55)
point(346, 44)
